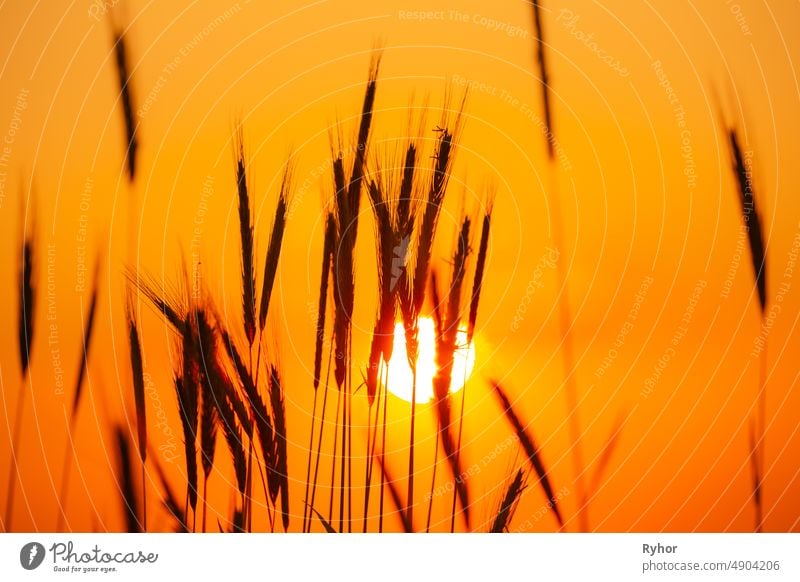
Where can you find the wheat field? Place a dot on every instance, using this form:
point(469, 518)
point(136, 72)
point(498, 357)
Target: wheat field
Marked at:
point(323, 267)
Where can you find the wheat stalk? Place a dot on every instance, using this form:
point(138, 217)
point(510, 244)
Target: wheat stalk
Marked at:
point(170, 500)
point(541, 59)
point(322, 308)
point(130, 503)
point(84, 362)
point(26, 305)
point(279, 466)
point(509, 503)
point(394, 493)
point(246, 236)
point(446, 333)
point(529, 446)
point(477, 286)
point(127, 100)
point(480, 267)
point(274, 248)
point(564, 312)
point(325, 272)
point(209, 417)
point(137, 374)
point(753, 223)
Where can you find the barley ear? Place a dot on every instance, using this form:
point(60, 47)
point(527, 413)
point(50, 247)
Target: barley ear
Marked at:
point(529, 446)
point(137, 371)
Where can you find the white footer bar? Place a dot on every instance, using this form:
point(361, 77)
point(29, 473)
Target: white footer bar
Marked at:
point(388, 557)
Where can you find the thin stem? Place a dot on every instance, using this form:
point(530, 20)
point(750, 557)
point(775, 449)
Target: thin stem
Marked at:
point(760, 436)
point(260, 470)
point(349, 384)
point(372, 431)
point(333, 455)
point(458, 446)
point(247, 501)
point(383, 448)
point(570, 386)
point(342, 476)
point(367, 477)
point(194, 514)
point(263, 482)
point(186, 510)
point(13, 470)
point(319, 441)
point(247, 498)
point(205, 500)
point(410, 501)
point(65, 475)
point(144, 499)
point(306, 511)
point(433, 485)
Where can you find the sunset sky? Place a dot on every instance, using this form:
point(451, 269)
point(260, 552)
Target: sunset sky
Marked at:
point(665, 315)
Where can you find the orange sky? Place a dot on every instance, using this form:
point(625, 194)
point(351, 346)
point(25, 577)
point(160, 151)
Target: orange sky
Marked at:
point(640, 214)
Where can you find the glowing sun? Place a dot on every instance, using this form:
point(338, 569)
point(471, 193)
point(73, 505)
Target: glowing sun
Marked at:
point(400, 376)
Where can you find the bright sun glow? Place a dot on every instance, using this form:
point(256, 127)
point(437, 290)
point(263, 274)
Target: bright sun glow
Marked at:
point(400, 377)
